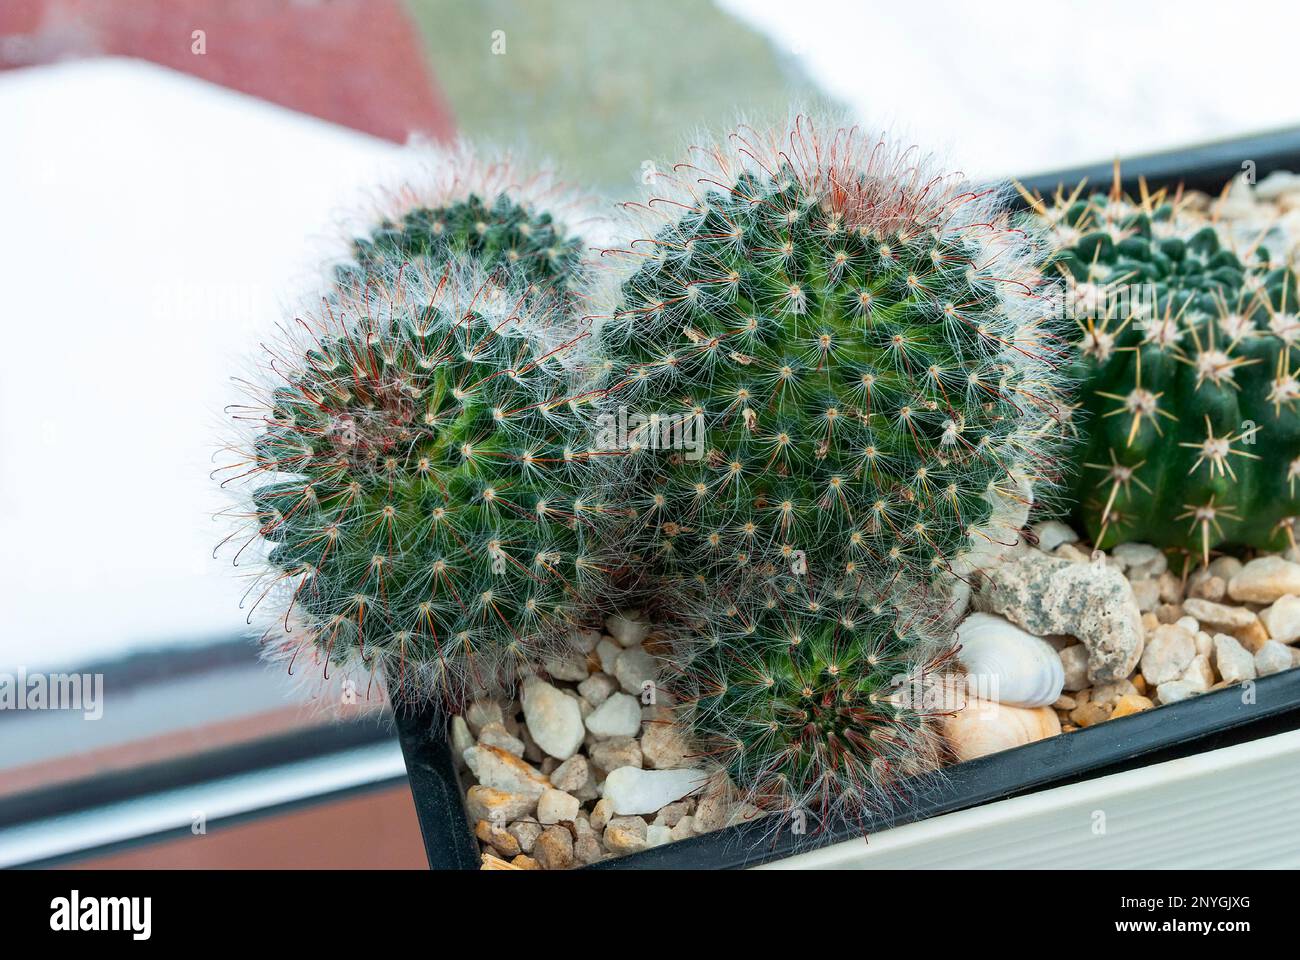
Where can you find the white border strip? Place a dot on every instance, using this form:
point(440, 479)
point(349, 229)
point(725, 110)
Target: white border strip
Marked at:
point(1211, 789)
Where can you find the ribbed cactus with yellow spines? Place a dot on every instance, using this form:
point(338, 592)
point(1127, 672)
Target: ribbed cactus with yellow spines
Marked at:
point(1189, 374)
point(857, 347)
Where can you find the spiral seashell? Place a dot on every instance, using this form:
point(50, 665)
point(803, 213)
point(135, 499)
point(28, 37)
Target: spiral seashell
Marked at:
point(1006, 664)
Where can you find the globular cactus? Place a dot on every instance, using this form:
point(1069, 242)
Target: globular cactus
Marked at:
point(1188, 375)
point(472, 207)
point(847, 354)
point(816, 707)
point(414, 480)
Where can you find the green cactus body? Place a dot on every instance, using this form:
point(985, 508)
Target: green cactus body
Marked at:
point(815, 707)
point(416, 484)
point(1188, 373)
point(848, 339)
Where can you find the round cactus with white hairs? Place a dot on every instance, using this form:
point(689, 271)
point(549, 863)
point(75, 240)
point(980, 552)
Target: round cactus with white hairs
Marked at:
point(816, 706)
point(852, 355)
point(483, 208)
point(414, 482)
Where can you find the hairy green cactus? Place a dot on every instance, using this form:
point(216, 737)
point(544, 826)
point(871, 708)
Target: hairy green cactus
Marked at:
point(495, 233)
point(414, 480)
point(816, 707)
point(1188, 376)
point(832, 360)
point(466, 207)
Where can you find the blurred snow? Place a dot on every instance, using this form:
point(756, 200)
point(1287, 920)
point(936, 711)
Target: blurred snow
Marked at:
point(1022, 86)
point(153, 227)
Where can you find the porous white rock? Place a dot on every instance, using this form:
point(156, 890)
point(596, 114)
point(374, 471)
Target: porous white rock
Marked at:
point(664, 746)
point(1147, 593)
point(554, 719)
point(631, 790)
point(615, 752)
point(1090, 601)
point(1171, 588)
point(672, 813)
point(1277, 184)
point(572, 775)
point(584, 639)
point(600, 814)
point(1225, 567)
point(684, 828)
point(625, 835)
point(482, 712)
point(554, 848)
point(618, 716)
point(1074, 659)
point(525, 833)
point(1105, 694)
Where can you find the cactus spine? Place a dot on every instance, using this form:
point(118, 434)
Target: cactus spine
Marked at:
point(857, 340)
point(1188, 368)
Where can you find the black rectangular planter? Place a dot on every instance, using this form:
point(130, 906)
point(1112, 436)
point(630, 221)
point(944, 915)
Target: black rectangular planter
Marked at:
point(1209, 721)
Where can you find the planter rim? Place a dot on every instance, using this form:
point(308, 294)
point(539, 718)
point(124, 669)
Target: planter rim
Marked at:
point(1203, 166)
